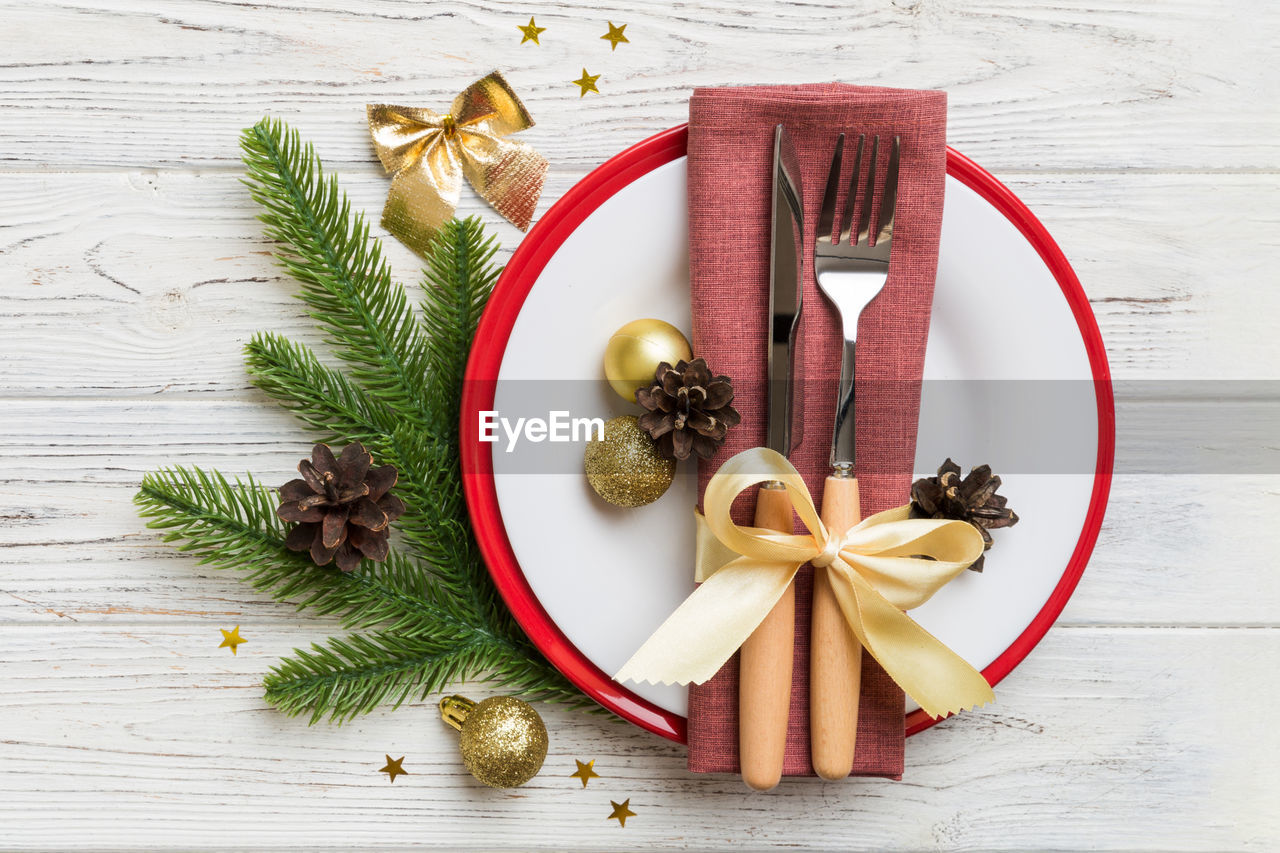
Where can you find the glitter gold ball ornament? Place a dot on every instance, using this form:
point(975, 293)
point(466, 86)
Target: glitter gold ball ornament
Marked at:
point(504, 741)
point(635, 351)
point(625, 468)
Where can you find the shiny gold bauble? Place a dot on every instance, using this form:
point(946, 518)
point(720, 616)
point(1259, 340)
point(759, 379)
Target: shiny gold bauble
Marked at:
point(504, 741)
point(624, 467)
point(634, 352)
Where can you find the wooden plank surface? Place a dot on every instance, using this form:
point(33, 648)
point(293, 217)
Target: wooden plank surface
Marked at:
point(160, 296)
point(73, 547)
point(1080, 84)
point(132, 273)
point(1100, 739)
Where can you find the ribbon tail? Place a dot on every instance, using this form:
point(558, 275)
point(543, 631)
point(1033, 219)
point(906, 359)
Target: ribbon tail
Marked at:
point(712, 623)
point(937, 678)
point(507, 174)
point(423, 197)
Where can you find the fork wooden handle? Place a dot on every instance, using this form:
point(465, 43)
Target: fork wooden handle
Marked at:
point(835, 656)
point(764, 686)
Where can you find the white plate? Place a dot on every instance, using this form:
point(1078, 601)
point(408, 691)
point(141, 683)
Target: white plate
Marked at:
point(606, 578)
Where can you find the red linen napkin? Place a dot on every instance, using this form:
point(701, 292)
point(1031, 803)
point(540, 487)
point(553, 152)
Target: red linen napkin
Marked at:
point(730, 167)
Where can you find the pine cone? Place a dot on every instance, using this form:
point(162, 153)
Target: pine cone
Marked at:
point(341, 506)
point(688, 409)
point(972, 499)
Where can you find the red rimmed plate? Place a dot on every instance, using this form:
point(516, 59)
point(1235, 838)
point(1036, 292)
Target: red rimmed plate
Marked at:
point(588, 582)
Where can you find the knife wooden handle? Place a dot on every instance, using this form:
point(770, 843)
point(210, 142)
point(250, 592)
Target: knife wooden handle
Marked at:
point(764, 686)
point(835, 656)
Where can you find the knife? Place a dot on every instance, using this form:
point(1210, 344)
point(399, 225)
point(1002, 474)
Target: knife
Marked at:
point(764, 689)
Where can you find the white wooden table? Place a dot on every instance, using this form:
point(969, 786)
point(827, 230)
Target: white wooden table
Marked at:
point(1145, 134)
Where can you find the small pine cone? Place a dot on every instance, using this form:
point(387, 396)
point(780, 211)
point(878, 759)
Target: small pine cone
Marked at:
point(972, 499)
point(342, 507)
point(688, 409)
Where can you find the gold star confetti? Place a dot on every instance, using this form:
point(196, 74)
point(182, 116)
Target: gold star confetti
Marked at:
point(393, 768)
point(621, 812)
point(584, 772)
point(531, 32)
point(587, 83)
point(231, 639)
point(615, 36)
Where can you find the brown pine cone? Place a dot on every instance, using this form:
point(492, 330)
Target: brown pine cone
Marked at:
point(688, 409)
point(972, 499)
point(342, 507)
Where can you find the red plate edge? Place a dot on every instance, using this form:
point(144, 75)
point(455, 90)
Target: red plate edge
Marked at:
point(494, 331)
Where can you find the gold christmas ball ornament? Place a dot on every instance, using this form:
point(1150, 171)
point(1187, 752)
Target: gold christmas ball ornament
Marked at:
point(504, 741)
point(625, 467)
point(635, 351)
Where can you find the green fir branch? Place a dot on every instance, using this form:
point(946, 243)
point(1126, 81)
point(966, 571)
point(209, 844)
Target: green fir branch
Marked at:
point(346, 283)
point(322, 398)
point(339, 412)
point(233, 525)
point(430, 615)
point(349, 676)
point(460, 275)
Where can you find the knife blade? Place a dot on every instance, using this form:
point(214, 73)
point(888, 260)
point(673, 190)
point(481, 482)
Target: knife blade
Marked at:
point(784, 424)
point(764, 689)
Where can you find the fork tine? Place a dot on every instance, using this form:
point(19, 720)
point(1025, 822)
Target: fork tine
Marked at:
point(827, 221)
point(868, 197)
point(848, 217)
point(890, 196)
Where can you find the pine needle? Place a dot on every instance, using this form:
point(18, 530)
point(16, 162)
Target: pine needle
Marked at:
point(430, 615)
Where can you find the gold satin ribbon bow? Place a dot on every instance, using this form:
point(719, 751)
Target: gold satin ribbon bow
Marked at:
point(877, 570)
point(430, 153)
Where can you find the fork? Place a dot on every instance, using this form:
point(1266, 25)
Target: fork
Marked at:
point(851, 264)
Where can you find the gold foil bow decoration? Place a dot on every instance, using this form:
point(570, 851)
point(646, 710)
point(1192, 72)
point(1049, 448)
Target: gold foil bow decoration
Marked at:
point(430, 153)
point(886, 564)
